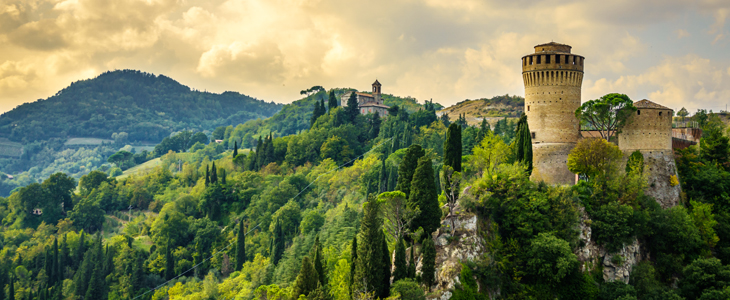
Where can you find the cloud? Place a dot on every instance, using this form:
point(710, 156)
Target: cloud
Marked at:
point(687, 81)
point(681, 33)
point(271, 49)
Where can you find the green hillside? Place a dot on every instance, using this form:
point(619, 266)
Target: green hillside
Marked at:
point(147, 107)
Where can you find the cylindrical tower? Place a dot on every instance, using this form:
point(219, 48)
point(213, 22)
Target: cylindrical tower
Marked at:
point(553, 77)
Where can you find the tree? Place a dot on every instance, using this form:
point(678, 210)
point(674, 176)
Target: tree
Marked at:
point(87, 215)
point(635, 162)
point(467, 289)
point(429, 262)
point(683, 113)
point(307, 279)
point(369, 265)
point(523, 143)
point(92, 180)
point(714, 145)
point(277, 249)
point(241, 247)
point(396, 211)
point(169, 262)
point(452, 147)
point(353, 262)
point(352, 109)
point(332, 102)
point(702, 275)
point(383, 178)
point(423, 197)
point(401, 269)
point(484, 130)
point(593, 157)
point(337, 149)
point(550, 258)
point(318, 264)
point(385, 267)
point(450, 181)
point(235, 149)
point(408, 167)
point(412, 264)
point(607, 114)
point(318, 111)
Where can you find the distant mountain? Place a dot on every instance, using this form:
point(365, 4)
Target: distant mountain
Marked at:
point(145, 106)
point(497, 107)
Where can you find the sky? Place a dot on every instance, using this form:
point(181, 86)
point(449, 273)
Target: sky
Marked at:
point(673, 52)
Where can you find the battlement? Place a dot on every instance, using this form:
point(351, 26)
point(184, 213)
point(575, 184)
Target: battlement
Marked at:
point(552, 56)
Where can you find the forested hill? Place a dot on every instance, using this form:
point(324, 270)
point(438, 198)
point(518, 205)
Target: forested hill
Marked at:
point(146, 106)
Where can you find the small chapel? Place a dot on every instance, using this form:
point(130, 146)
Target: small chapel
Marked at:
point(368, 103)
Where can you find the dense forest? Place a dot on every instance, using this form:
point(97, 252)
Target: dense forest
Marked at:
point(357, 207)
point(144, 106)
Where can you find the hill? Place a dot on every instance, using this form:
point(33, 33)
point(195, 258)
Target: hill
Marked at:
point(493, 109)
point(147, 107)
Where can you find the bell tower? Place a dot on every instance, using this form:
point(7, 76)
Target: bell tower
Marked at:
point(553, 77)
point(376, 91)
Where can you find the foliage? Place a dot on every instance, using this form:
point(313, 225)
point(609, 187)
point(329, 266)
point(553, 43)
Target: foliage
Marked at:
point(613, 226)
point(551, 258)
point(407, 289)
point(423, 197)
point(428, 271)
point(523, 143)
point(593, 157)
point(607, 114)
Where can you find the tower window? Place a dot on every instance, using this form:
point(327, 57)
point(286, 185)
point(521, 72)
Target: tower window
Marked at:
point(660, 114)
point(638, 112)
point(557, 59)
point(530, 59)
point(528, 108)
point(547, 59)
point(539, 59)
point(533, 134)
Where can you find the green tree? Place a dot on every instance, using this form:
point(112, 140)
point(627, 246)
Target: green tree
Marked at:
point(241, 247)
point(484, 130)
point(452, 147)
point(352, 109)
point(369, 267)
point(353, 262)
point(337, 149)
point(318, 264)
point(702, 275)
point(593, 157)
point(386, 266)
point(407, 289)
point(332, 101)
point(428, 271)
point(307, 279)
point(714, 145)
point(523, 143)
point(401, 269)
point(423, 197)
point(613, 225)
point(683, 113)
point(705, 222)
point(92, 180)
point(87, 215)
point(383, 178)
point(396, 210)
point(408, 167)
point(277, 249)
point(467, 289)
point(235, 149)
point(607, 114)
point(550, 258)
point(169, 262)
point(11, 287)
point(412, 264)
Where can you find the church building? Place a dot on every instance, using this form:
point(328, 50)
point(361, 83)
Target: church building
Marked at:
point(368, 103)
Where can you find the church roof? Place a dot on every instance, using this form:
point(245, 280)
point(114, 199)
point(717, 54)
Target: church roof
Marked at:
point(376, 82)
point(648, 104)
point(365, 95)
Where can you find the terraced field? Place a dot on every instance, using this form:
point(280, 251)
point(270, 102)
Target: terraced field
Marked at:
point(10, 149)
point(86, 141)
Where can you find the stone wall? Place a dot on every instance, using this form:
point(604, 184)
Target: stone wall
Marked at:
point(550, 163)
point(648, 128)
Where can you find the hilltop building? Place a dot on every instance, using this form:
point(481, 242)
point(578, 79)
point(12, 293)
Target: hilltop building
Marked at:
point(368, 103)
point(553, 77)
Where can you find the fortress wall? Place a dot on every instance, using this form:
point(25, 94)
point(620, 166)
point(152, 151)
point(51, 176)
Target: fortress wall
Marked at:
point(550, 163)
point(647, 129)
point(550, 113)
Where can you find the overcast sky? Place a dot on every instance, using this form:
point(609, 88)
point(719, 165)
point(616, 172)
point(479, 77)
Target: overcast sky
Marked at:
point(672, 52)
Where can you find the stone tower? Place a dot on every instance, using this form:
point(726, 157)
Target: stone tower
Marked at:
point(376, 91)
point(649, 130)
point(553, 78)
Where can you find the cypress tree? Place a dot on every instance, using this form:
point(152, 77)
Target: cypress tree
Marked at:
point(83, 275)
point(429, 262)
point(278, 243)
point(213, 174)
point(353, 251)
point(401, 269)
point(395, 145)
point(383, 182)
point(352, 109)
point(56, 269)
point(423, 196)
point(235, 149)
point(318, 263)
point(169, 262)
point(3, 281)
point(240, 247)
point(369, 268)
point(332, 102)
point(109, 264)
point(63, 259)
point(260, 153)
point(307, 279)
point(452, 147)
point(137, 272)
point(408, 167)
point(48, 265)
point(385, 268)
point(207, 175)
point(523, 143)
point(11, 288)
point(316, 113)
point(269, 150)
point(392, 178)
point(484, 130)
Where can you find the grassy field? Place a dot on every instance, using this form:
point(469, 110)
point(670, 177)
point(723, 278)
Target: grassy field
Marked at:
point(145, 167)
point(8, 148)
point(86, 141)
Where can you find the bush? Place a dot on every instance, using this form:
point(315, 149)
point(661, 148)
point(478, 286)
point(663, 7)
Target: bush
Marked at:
point(408, 289)
point(613, 226)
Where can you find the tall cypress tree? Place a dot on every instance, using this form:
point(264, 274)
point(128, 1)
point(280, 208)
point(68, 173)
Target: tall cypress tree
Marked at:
point(352, 109)
point(392, 178)
point(95, 289)
point(240, 247)
point(307, 279)
point(408, 167)
point(332, 102)
point(3, 281)
point(484, 130)
point(401, 269)
point(277, 249)
point(523, 143)
point(385, 267)
point(169, 262)
point(137, 272)
point(83, 275)
point(316, 113)
point(452, 147)
point(368, 270)
point(353, 251)
point(11, 288)
point(213, 174)
point(429, 262)
point(235, 149)
point(423, 196)
point(207, 175)
point(56, 266)
point(318, 263)
point(383, 182)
